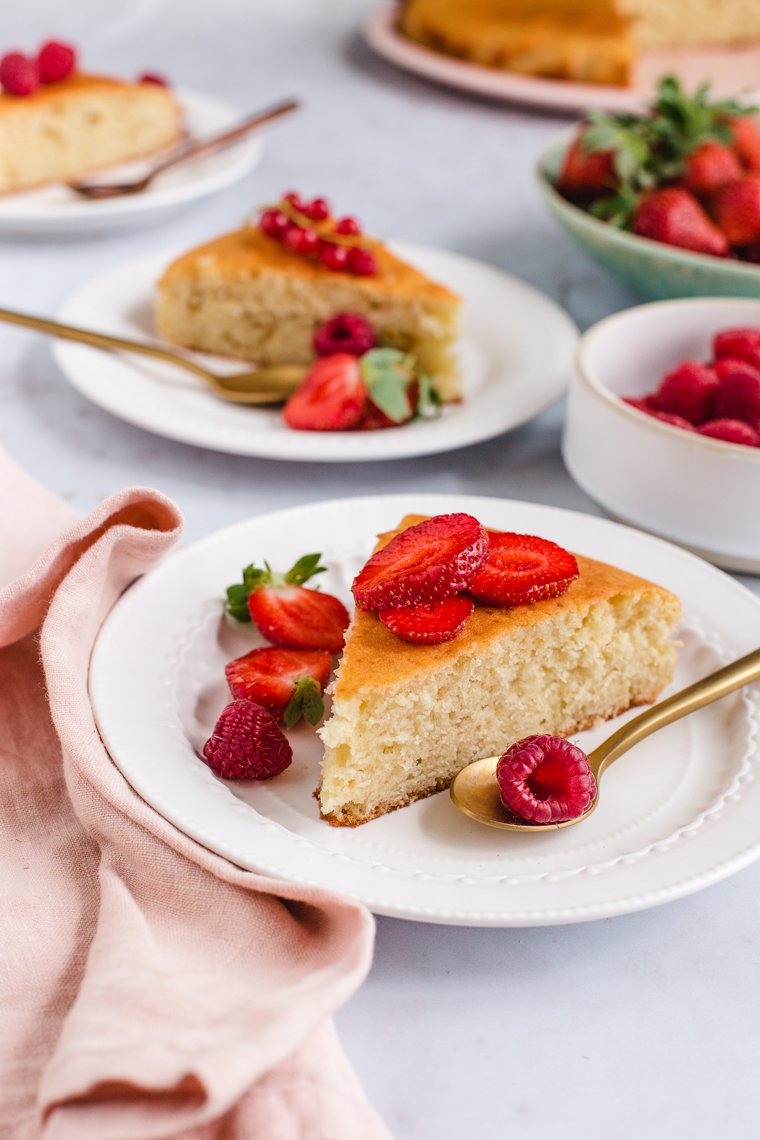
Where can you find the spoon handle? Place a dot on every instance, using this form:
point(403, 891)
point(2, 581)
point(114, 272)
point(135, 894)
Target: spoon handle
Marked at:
point(704, 692)
point(100, 340)
point(215, 142)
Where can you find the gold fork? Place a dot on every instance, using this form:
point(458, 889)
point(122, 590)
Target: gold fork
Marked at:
point(266, 385)
point(193, 149)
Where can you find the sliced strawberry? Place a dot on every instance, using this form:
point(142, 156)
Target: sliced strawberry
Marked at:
point(522, 568)
point(674, 216)
point(287, 682)
point(425, 563)
point(429, 623)
point(332, 396)
point(299, 618)
point(285, 612)
point(584, 171)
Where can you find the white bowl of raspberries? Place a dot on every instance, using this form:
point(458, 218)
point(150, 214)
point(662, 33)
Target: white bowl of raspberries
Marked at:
point(663, 423)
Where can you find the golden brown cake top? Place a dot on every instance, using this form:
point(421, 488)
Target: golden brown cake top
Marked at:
point(374, 657)
point(79, 84)
point(489, 17)
point(248, 252)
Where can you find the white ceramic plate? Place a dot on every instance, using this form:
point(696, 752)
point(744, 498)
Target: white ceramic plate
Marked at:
point(728, 70)
point(679, 812)
point(517, 350)
point(57, 210)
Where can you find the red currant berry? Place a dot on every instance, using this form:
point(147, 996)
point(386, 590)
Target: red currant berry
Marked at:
point(307, 243)
point(334, 257)
point(361, 261)
point(292, 237)
point(19, 74)
point(295, 200)
point(55, 61)
point(349, 227)
point(153, 77)
point(274, 223)
point(317, 210)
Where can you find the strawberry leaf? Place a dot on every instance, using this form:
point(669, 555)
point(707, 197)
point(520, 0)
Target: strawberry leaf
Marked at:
point(306, 702)
point(429, 402)
point(304, 569)
point(237, 595)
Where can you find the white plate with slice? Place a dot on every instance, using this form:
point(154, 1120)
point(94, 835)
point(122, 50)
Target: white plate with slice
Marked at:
point(517, 349)
point(56, 210)
point(679, 812)
point(729, 70)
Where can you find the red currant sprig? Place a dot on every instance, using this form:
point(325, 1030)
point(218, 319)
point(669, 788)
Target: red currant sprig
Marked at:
point(308, 230)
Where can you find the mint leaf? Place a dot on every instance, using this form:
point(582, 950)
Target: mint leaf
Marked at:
point(388, 375)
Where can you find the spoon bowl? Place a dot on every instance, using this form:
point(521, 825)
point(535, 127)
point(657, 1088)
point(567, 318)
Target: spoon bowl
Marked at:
point(475, 790)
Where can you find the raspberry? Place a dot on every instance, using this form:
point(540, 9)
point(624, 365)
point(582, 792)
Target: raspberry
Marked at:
point(670, 418)
point(732, 431)
point(19, 74)
point(55, 61)
point(688, 391)
point(346, 332)
point(544, 779)
point(740, 344)
point(640, 403)
point(247, 744)
point(738, 396)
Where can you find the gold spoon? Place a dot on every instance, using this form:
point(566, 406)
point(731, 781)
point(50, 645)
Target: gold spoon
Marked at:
point(476, 793)
point(267, 385)
point(190, 150)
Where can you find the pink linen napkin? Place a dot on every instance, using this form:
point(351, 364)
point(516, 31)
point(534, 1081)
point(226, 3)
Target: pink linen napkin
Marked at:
point(148, 988)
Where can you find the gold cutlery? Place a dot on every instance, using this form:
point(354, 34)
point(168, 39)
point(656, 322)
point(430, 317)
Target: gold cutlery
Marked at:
point(476, 793)
point(193, 149)
point(267, 385)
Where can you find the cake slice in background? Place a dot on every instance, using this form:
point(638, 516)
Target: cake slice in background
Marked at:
point(252, 296)
point(79, 125)
point(586, 41)
point(406, 718)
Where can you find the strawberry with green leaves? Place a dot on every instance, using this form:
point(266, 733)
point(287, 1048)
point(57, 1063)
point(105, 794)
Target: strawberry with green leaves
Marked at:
point(287, 682)
point(285, 611)
point(378, 389)
point(685, 139)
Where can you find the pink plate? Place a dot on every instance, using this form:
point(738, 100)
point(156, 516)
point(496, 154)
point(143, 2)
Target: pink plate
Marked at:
point(730, 71)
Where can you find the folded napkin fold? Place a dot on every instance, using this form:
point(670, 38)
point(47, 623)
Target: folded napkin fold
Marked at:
point(149, 989)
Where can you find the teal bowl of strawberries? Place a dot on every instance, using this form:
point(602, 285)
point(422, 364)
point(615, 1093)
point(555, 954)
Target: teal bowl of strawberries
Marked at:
point(667, 201)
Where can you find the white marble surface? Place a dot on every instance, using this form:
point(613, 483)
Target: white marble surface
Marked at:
point(645, 1026)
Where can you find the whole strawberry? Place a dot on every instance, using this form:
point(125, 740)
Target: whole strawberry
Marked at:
point(674, 216)
point(736, 210)
point(287, 613)
point(247, 744)
point(584, 171)
point(710, 166)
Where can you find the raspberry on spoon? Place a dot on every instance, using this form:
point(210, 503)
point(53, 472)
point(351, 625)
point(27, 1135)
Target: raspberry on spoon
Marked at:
point(545, 779)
